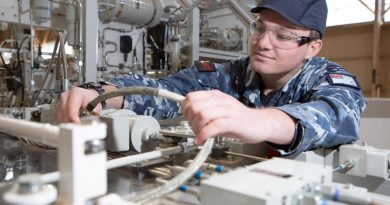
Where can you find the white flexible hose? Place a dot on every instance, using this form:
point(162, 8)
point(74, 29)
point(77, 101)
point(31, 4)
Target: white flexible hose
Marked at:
point(135, 90)
point(170, 95)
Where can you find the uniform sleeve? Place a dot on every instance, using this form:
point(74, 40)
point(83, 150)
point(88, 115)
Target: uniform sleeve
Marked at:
point(182, 82)
point(329, 117)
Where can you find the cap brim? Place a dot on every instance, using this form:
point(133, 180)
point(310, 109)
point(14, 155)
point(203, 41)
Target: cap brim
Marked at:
point(258, 9)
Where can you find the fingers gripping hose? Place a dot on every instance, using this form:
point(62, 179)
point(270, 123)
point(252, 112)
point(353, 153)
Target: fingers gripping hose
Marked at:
point(174, 183)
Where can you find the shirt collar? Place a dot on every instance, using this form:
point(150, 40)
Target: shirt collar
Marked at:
point(253, 79)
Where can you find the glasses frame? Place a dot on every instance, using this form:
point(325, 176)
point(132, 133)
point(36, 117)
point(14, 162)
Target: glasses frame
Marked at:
point(301, 40)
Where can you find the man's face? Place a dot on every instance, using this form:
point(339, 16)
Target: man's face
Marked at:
point(276, 52)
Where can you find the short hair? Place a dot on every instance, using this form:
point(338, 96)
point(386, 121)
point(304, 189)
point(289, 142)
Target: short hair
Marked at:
point(314, 35)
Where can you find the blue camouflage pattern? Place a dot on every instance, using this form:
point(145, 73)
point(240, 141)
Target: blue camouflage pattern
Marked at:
point(327, 114)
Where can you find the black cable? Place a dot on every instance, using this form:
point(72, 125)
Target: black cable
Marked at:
point(14, 65)
point(144, 54)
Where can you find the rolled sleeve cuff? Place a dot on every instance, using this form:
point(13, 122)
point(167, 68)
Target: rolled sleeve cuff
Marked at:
point(305, 133)
point(116, 83)
point(120, 84)
point(293, 147)
point(318, 133)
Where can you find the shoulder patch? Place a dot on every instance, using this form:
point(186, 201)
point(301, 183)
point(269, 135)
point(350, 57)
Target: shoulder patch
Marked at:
point(342, 79)
point(205, 66)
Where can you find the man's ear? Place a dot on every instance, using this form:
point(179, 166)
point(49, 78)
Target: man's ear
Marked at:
point(314, 48)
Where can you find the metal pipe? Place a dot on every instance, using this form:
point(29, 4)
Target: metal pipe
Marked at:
point(375, 86)
point(119, 162)
point(49, 68)
point(46, 92)
point(32, 36)
point(384, 12)
point(9, 50)
point(42, 133)
point(260, 159)
point(90, 39)
point(158, 173)
point(183, 14)
point(248, 18)
point(72, 23)
point(163, 169)
point(111, 42)
point(65, 78)
point(108, 52)
point(19, 19)
point(57, 71)
point(62, 47)
point(367, 7)
point(115, 163)
point(78, 45)
point(64, 3)
point(120, 30)
point(112, 51)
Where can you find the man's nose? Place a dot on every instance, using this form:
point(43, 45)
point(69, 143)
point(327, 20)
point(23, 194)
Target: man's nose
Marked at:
point(264, 41)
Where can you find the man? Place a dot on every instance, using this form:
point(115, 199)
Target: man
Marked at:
point(282, 94)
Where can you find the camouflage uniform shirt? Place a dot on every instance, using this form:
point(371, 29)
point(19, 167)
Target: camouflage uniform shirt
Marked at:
point(322, 97)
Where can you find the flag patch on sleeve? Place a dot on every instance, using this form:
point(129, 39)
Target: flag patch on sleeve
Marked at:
point(205, 66)
point(342, 79)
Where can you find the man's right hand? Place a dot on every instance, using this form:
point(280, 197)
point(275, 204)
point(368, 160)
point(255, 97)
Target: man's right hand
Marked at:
point(70, 102)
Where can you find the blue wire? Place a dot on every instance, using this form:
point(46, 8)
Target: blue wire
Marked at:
point(336, 195)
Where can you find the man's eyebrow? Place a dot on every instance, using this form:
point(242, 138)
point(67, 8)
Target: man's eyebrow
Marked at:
point(260, 20)
point(288, 30)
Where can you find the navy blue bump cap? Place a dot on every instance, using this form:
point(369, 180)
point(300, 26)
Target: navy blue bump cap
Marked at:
point(310, 14)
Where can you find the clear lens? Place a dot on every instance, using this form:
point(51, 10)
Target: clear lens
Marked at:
point(280, 38)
